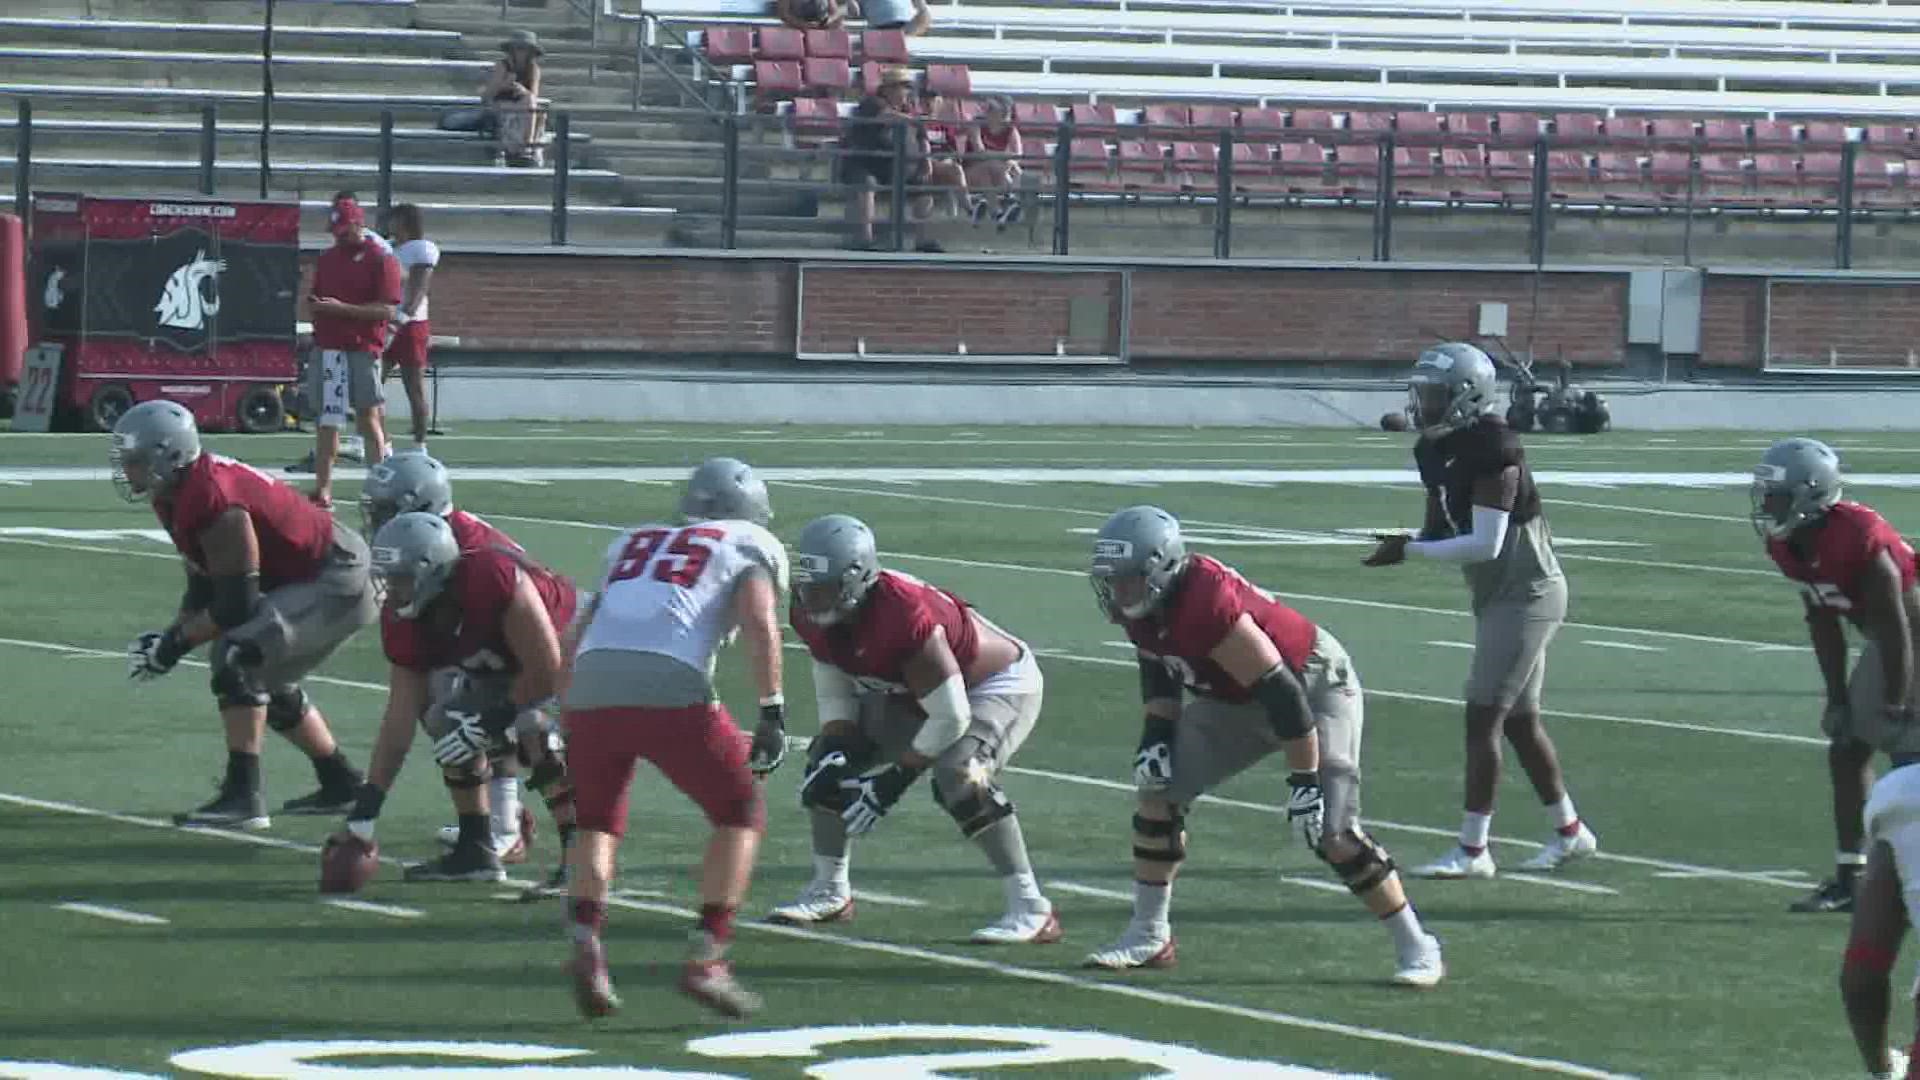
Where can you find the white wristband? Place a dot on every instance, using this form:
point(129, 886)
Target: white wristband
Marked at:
point(775, 698)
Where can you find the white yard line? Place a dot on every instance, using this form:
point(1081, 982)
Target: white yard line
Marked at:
point(1094, 891)
point(394, 911)
point(888, 899)
point(1278, 1019)
point(112, 914)
point(1563, 883)
point(1647, 511)
point(1450, 644)
point(1627, 645)
point(1314, 883)
point(1655, 564)
point(90, 547)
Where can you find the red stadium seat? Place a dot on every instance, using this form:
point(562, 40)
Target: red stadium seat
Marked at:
point(1253, 170)
point(1569, 173)
point(776, 79)
point(814, 116)
point(870, 77)
point(1465, 168)
point(1889, 138)
point(1474, 128)
point(1369, 123)
point(1267, 125)
point(729, 44)
point(1625, 129)
point(1511, 166)
point(1724, 180)
point(1872, 171)
point(1166, 116)
point(1776, 170)
point(1775, 134)
point(1312, 122)
point(1303, 167)
point(1036, 117)
point(1421, 128)
point(1212, 116)
point(1574, 128)
point(1197, 164)
point(949, 80)
point(1672, 131)
point(830, 44)
point(1825, 134)
point(884, 47)
point(827, 75)
point(1357, 167)
point(1516, 129)
point(781, 43)
point(1623, 180)
point(1089, 156)
point(1143, 167)
point(1093, 119)
point(1413, 162)
point(1724, 133)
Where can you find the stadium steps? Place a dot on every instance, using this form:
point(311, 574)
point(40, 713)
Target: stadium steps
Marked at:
point(40, 31)
point(245, 12)
point(179, 140)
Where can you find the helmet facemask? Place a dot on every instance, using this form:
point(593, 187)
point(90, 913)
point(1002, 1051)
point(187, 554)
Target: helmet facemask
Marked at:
point(825, 599)
point(1435, 407)
point(408, 586)
point(139, 472)
point(1129, 587)
point(1781, 509)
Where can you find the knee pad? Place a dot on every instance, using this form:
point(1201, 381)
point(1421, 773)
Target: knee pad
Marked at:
point(285, 708)
point(1173, 831)
point(464, 778)
point(234, 686)
point(1365, 871)
point(974, 807)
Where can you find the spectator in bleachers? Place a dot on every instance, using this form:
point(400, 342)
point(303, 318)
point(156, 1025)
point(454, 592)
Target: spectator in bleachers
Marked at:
point(910, 16)
point(512, 92)
point(945, 129)
point(811, 14)
point(867, 160)
point(991, 150)
point(412, 333)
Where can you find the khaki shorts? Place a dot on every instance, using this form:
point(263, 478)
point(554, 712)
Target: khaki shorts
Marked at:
point(340, 384)
point(1215, 740)
point(1001, 723)
point(1510, 641)
point(453, 690)
point(296, 627)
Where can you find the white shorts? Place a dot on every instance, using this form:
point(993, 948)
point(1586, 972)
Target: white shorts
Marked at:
point(1893, 817)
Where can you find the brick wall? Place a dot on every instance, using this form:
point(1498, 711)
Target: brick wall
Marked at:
point(748, 308)
point(1336, 316)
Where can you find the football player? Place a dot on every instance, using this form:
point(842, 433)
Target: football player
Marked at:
point(414, 481)
point(641, 686)
point(1882, 911)
point(1483, 515)
point(472, 639)
point(272, 581)
point(908, 679)
point(1851, 566)
point(1228, 676)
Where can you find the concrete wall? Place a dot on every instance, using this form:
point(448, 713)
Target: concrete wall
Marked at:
point(767, 307)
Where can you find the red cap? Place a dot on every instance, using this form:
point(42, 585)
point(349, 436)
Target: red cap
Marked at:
point(345, 215)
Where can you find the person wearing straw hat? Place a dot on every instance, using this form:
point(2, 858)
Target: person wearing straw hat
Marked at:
point(512, 91)
point(866, 151)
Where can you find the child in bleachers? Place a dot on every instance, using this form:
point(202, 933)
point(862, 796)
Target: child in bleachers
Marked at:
point(990, 151)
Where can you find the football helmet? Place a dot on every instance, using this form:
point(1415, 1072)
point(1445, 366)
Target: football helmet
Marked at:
point(835, 562)
point(725, 489)
point(1452, 385)
point(406, 482)
point(1137, 556)
point(1796, 482)
point(152, 442)
point(414, 556)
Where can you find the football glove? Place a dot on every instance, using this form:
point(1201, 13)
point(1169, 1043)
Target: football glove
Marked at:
point(1307, 804)
point(1153, 768)
point(463, 742)
point(769, 740)
point(820, 787)
point(872, 796)
point(154, 653)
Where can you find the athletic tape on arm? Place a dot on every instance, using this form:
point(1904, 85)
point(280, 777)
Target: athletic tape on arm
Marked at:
point(833, 691)
point(948, 715)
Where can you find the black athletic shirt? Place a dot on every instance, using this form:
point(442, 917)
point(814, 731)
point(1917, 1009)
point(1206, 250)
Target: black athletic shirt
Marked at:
point(1450, 464)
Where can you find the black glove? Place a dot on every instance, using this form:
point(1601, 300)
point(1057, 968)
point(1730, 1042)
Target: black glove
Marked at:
point(769, 740)
point(870, 797)
point(1307, 805)
point(829, 761)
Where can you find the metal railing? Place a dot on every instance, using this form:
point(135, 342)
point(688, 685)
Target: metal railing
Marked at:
point(559, 149)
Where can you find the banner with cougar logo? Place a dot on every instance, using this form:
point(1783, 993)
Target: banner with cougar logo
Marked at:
point(189, 289)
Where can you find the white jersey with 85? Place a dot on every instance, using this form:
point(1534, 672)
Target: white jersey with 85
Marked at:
point(669, 589)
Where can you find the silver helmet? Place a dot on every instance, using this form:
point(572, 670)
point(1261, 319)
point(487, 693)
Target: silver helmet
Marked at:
point(725, 489)
point(1137, 556)
point(1452, 385)
point(152, 442)
point(408, 481)
point(1796, 482)
point(835, 562)
point(414, 557)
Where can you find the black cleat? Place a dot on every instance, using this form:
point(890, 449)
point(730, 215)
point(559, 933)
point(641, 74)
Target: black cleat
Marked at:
point(467, 862)
point(321, 803)
point(1832, 894)
point(229, 810)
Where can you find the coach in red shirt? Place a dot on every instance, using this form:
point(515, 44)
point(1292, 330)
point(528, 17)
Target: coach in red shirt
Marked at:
point(355, 292)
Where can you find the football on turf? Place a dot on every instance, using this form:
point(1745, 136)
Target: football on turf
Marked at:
point(1393, 421)
point(347, 863)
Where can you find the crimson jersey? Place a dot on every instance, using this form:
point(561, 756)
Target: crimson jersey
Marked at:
point(471, 634)
point(1843, 546)
point(892, 625)
point(475, 533)
point(1208, 599)
point(295, 537)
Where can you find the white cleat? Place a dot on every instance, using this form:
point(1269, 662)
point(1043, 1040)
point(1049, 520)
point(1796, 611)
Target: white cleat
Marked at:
point(1138, 947)
point(1022, 926)
point(1458, 864)
point(817, 903)
point(1563, 849)
point(1423, 967)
